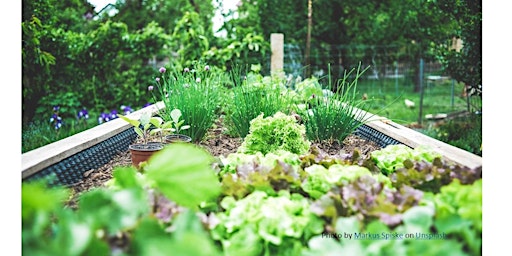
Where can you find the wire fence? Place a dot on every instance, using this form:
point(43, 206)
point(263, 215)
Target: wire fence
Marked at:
point(384, 62)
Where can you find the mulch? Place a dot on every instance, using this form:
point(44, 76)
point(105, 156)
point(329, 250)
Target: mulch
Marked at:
point(218, 143)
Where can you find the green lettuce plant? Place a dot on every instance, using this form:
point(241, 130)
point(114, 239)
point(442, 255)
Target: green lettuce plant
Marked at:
point(393, 157)
point(106, 216)
point(260, 224)
point(275, 133)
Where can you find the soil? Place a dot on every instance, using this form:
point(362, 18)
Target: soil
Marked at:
point(217, 142)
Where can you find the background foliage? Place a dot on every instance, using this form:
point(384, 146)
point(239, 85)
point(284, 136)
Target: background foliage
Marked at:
point(108, 61)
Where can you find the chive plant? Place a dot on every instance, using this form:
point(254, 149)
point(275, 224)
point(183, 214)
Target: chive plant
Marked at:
point(333, 118)
point(253, 95)
point(194, 92)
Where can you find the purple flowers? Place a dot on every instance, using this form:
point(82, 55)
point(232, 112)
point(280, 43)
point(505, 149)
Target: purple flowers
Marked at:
point(150, 88)
point(126, 110)
point(206, 68)
point(83, 114)
point(56, 120)
point(162, 70)
point(157, 79)
point(186, 70)
point(105, 117)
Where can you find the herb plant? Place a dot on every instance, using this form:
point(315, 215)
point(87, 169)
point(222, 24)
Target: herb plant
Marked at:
point(333, 118)
point(252, 96)
point(174, 125)
point(194, 91)
point(145, 121)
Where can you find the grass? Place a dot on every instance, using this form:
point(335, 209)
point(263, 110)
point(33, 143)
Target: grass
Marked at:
point(388, 96)
point(387, 100)
point(38, 133)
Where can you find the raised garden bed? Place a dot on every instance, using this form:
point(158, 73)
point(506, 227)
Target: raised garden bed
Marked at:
point(324, 201)
point(70, 158)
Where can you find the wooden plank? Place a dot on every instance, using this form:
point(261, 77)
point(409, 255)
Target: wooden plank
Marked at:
point(42, 157)
point(414, 139)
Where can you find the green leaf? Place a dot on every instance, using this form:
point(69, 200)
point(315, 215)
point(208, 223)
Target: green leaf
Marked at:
point(73, 236)
point(138, 131)
point(144, 118)
point(36, 197)
point(188, 238)
point(156, 121)
point(182, 172)
point(175, 115)
point(418, 219)
point(134, 123)
point(113, 210)
point(125, 177)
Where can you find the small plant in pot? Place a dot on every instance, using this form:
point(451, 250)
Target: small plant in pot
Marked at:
point(177, 126)
point(141, 152)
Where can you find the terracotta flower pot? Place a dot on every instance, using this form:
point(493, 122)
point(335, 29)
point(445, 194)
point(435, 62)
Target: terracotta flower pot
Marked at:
point(172, 138)
point(142, 152)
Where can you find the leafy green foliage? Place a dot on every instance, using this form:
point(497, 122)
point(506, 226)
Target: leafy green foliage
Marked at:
point(279, 224)
point(252, 96)
point(320, 180)
point(235, 162)
point(459, 212)
point(276, 204)
point(145, 120)
point(464, 133)
point(464, 65)
point(120, 217)
point(333, 118)
point(195, 92)
point(245, 49)
point(241, 174)
point(174, 168)
point(274, 133)
point(189, 35)
point(393, 157)
point(187, 238)
point(432, 176)
point(368, 199)
point(377, 238)
point(308, 89)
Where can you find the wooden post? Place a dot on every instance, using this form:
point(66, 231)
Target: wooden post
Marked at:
point(277, 55)
point(422, 90)
point(308, 39)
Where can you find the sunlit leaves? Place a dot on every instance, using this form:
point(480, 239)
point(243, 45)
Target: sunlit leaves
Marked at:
point(183, 173)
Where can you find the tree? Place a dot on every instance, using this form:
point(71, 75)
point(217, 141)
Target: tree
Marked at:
point(464, 65)
point(411, 26)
